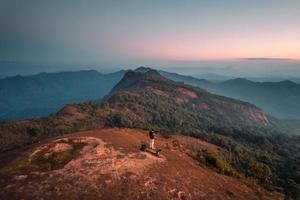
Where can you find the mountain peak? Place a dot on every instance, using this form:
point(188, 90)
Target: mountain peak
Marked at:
point(108, 160)
point(238, 81)
point(142, 69)
point(158, 90)
point(288, 82)
point(151, 74)
point(132, 77)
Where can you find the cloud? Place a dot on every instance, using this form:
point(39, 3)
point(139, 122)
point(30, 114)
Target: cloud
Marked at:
point(266, 59)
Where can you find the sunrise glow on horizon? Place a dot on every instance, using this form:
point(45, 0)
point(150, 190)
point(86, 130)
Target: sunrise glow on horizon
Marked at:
point(118, 32)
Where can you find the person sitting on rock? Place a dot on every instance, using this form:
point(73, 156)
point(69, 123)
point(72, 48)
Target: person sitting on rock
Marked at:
point(151, 136)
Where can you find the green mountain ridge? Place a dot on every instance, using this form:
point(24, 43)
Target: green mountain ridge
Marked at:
point(148, 100)
point(213, 108)
point(45, 93)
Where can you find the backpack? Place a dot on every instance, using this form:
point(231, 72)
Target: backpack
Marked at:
point(143, 147)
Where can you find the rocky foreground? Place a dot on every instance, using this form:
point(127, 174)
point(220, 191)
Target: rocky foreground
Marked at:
point(107, 164)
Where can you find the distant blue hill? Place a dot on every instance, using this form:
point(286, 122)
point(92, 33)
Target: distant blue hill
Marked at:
point(280, 99)
point(45, 93)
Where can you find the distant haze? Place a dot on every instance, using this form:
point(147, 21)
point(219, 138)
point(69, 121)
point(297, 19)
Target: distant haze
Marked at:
point(273, 70)
point(243, 37)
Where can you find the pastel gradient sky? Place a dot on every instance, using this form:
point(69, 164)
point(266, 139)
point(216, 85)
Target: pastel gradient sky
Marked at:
point(127, 32)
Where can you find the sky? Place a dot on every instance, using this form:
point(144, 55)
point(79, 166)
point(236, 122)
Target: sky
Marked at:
point(155, 32)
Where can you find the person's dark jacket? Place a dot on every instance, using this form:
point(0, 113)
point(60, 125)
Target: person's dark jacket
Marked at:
point(151, 134)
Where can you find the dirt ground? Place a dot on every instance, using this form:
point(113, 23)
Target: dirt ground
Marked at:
point(107, 164)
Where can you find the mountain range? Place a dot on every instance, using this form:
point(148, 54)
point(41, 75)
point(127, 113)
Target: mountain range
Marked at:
point(137, 101)
point(279, 99)
point(248, 144)
point(45, 93)
point(39, 95)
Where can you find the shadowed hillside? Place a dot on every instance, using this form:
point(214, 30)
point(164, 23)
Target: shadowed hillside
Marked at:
point(148, 93)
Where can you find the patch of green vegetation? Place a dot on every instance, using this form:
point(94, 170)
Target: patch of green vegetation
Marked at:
point(215, 160)
point(43, 162)
point(209, 158)
point(55, 160)
point(275, 167)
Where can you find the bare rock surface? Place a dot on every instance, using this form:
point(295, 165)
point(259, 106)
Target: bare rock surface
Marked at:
point(107, 164)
